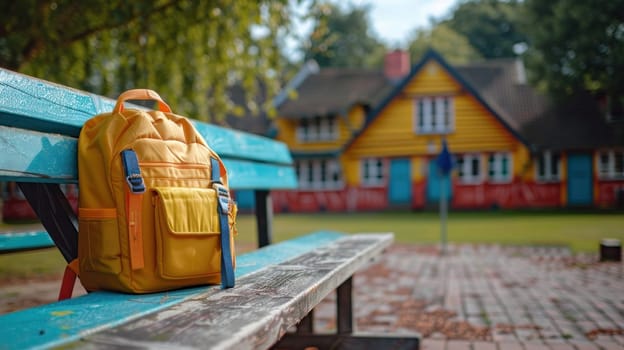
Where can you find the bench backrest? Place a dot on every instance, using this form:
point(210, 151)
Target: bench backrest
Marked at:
point(40, 121)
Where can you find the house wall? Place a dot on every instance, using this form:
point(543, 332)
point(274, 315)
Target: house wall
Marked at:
point(392, 135)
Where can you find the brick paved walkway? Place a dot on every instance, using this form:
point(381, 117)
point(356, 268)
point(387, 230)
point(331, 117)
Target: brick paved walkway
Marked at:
point(490, 297)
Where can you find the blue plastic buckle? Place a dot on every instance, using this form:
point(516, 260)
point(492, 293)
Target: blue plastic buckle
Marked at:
point(223, 195)
point(135, 181)
point(132, 171)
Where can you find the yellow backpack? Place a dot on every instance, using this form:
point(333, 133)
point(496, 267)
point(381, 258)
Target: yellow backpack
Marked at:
point(154, 208)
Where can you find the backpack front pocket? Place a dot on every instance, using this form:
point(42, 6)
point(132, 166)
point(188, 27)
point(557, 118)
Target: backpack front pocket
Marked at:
point(187, 232)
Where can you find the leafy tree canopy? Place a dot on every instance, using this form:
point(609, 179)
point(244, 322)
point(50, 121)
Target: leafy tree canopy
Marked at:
point(190, 51)
point(493, 27)
point(577, 45)
point(342, 38)
point(453, 46)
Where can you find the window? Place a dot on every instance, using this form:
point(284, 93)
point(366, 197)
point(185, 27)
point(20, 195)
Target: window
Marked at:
point(549, 167)
point(469, 168)
point(611, 164)
point(319, 174)
point(434, 115)
point(373, 172)
point(499, 167)
point(317, 129)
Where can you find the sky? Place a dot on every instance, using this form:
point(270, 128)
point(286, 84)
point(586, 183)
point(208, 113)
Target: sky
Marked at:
point(394, 20)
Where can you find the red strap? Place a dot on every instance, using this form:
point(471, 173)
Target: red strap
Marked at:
point(69, 280)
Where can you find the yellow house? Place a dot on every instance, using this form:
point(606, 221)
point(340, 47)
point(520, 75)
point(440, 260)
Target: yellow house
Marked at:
point(366, 140)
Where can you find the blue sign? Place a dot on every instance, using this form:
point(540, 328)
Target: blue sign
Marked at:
point(444, 159)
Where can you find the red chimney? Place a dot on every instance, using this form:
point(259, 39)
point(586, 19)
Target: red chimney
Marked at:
point(396, 64)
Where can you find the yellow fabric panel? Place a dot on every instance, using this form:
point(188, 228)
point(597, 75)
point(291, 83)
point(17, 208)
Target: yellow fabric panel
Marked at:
point(187, 232)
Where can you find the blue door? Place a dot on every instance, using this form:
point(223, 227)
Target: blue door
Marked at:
point(580, 180)
point(400, 186)
point(435, 180)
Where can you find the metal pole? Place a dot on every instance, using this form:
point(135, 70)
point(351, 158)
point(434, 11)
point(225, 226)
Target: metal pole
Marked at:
point(443, 214)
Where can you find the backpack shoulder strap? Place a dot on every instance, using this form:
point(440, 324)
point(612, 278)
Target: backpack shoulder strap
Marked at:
point(223, 196)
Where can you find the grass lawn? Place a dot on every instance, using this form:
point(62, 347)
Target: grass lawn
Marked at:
point(581, 231)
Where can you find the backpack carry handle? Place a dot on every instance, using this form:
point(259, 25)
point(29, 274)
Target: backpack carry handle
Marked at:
point(140, 94)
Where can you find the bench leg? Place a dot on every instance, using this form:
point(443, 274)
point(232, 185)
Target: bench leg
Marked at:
point(56, 215)
point(306, 325)
point(264, 217)
point(344, 307)
point(344, 339)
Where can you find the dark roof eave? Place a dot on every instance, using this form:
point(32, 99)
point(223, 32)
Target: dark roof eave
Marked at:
point(316, 154)
point(333, 112)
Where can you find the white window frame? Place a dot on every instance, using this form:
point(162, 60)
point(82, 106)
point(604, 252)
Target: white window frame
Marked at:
point(434, 115)
point(496, 163)
point(370, 177)
point(607, 164)
point(317, 129)
point(319, 174)
point(465, 168)
point(550, 174)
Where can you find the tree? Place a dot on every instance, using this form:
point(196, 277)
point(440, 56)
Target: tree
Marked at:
point(190, 51)
point(492, 27)
point(453, 46)
point(341, 38)
point(577, 45)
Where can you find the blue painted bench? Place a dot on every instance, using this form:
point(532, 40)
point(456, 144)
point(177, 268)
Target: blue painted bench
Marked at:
point(277, 286)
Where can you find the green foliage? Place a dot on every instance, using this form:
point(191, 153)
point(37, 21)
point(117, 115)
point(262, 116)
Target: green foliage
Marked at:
point(453, 46)
point(190, 51)
point(492, 27)
point(577, 45)
point(341, 38)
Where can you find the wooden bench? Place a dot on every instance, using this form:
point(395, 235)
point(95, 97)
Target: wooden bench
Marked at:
point(277, 286)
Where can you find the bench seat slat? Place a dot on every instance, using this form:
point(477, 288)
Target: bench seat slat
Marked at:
point(259, 311)
point(34, 104)
point(16, 241)
point(32, 156)
point(62, 322)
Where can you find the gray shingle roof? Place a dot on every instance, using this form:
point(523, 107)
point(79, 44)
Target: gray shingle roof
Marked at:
point(575, 123)
point(333, 91)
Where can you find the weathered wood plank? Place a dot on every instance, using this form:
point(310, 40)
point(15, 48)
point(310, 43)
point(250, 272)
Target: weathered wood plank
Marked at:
point(38, 105)
point(66, 321)
point(16, 241)
point(256, 313)
point(32, 156)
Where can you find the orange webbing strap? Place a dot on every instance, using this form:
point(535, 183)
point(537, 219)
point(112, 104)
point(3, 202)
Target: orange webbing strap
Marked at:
point(135, 232)
point(134, 200)
point(69, 280)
